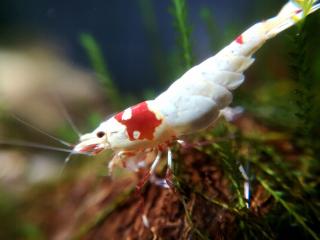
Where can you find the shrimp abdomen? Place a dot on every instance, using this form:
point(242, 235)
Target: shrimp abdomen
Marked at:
point(197, 97)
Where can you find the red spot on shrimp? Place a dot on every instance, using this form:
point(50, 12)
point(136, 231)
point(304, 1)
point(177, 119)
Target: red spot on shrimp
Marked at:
point(142, 122)
point(93, 148)
point(88, 148)
point(298, 11)
point(239, 39)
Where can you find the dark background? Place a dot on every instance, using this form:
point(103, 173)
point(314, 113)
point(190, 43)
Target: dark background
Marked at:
point(121, 29)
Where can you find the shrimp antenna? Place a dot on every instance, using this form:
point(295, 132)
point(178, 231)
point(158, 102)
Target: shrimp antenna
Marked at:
point(41, 131)
point(21, 143)
point(65, 163)
point(33, 145)
point(67, 115)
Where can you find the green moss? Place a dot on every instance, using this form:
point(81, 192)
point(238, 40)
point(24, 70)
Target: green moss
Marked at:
point(179, 12)
point(100, 67)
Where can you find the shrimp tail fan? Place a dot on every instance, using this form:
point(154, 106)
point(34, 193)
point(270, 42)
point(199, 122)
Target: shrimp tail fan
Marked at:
point(290, 14)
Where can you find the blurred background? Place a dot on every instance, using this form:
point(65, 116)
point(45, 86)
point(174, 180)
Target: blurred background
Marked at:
point(131, 34)
point(93, 58)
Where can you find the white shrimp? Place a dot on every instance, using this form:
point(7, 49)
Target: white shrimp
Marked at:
point(191, 103)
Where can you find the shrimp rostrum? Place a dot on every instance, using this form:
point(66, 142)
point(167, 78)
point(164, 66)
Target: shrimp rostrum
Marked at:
point(193, 102)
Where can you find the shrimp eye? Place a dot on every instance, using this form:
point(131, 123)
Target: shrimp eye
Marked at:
point(100, 134)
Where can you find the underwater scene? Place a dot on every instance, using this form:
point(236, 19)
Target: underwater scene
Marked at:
point(149, 119)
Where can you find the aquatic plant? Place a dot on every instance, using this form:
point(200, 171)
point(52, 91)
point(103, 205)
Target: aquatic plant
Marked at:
point(99, 65)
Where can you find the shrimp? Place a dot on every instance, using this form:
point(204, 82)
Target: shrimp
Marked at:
point(192, 103)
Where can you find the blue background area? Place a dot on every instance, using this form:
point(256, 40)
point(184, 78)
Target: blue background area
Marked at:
point(119, 27)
